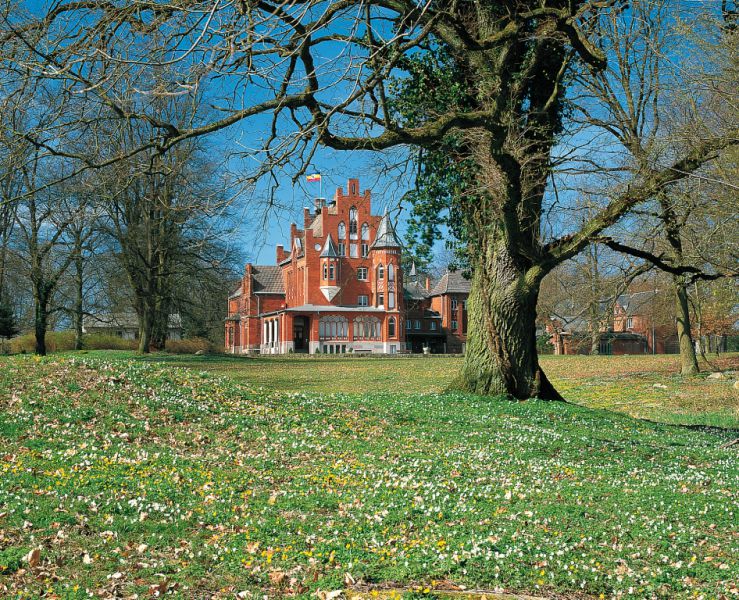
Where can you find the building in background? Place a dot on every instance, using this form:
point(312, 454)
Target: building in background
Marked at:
point(125, 325)
point(339, 287)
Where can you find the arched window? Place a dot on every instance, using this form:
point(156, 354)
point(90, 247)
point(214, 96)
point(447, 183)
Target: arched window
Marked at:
point(333, 327)
point(342, 231)
point(365, 231)
point(325, 271)
point(353, 222)
point(380, 271)
point(391, 327)
point(390, 273)
point(366, 328)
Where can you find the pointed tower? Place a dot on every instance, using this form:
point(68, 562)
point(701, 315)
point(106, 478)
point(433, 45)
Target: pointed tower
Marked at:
point(329, 258)
point(388, 278)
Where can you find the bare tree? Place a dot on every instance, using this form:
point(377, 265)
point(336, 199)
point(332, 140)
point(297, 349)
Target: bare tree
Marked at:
point(266, 63)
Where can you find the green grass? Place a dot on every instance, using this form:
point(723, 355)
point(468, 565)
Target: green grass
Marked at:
point(132, 474)
point(621, 383)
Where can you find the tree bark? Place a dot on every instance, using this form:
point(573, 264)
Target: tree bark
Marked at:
point(688, 359)
point(79, 292)
point(501, 356)
point(41, 321)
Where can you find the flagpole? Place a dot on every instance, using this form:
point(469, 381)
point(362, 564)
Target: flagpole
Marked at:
point(320, 185)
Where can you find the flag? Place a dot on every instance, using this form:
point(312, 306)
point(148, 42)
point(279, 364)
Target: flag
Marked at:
point(314, 177)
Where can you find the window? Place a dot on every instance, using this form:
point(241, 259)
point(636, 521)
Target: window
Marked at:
point(380, 272)
point(381, 299)
point(362, 300)
point(325, 271)
point(454, 304)
point(391, 327)
point(393, 349)
point(408, 324)
point(433, 326)
point(629, 323)
point(353, 222)
point(391, 299)
point(362, 273)
point(331, 271)
point(417, 324)
point(353, 251)
point(464, 304)
point(366, 328)
point(365, 232)
point(390, 273)
point(365, 250)
point(333, 327)
point(454, 325)
point(342, 231)
point(342, 249)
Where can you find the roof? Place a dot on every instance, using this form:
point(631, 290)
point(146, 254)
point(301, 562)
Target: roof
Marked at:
point(415, 291)
point(386, 237)
point(123, 320)
point(637, 302)
point(267, 280)
point(331, 308)
point(329, 248)
point(452, 282)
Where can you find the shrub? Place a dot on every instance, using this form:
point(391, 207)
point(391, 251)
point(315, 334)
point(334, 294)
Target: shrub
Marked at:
point(189, 346)
point(56, 341)
point(101, 341)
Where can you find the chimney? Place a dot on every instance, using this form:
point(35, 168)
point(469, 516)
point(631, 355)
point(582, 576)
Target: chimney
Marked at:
point(306, 217)
point(428, 284)
point(280, 253)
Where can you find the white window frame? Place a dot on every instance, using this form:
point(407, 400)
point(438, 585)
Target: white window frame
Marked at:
point(362, 273)
point(362, 300)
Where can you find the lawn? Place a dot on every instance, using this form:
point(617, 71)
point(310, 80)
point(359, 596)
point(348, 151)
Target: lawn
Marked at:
point(142, 477)
point(647, 387)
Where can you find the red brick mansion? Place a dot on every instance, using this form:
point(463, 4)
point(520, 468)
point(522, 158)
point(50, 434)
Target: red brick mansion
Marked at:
point(340, 288)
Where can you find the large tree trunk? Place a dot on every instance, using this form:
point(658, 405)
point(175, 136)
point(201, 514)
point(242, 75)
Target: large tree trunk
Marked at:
point(146, 324)
point(688, 360)
point(78, 301)
point(501, 356)
point(41, 321)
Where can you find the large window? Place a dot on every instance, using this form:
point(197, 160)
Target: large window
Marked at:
point(362, 273)
point(366, 328)
point(391, 327)
point(362, 300)
point(390, 273)
point(353, 251)
point(353, 222)
point(333, 328)
point(365, 232)
point(342, 231)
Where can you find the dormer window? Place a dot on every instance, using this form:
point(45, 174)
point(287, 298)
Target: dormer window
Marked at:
point(353, 222)
point(380, 272)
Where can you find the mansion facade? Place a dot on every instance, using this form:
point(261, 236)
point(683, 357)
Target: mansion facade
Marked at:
point(339, 287)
